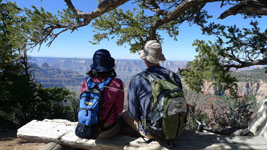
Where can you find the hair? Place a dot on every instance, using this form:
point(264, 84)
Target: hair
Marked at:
point(97, 74)
point(149, 63)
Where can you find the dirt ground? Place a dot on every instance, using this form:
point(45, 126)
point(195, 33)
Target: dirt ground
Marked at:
point(8, 141)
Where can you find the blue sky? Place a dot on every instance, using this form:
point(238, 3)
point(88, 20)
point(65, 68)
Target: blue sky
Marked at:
point(76, 44)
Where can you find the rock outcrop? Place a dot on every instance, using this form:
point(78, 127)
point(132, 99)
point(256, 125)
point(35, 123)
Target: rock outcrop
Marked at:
point(258, 89)
point(62, 132)
point(259, 123)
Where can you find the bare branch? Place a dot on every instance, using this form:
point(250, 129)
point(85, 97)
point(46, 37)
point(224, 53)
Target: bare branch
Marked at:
point(103, 7)
point(156, 8)
point(174, 14)
point(73, 9)
point(247, 64)
point(256, 7)
point(55, 36)
point(253, 6)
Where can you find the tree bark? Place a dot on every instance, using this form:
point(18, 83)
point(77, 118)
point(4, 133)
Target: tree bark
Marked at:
point(257, 7)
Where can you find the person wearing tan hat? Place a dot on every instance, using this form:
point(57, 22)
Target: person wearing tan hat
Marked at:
point(140, 91)
point(152, 53)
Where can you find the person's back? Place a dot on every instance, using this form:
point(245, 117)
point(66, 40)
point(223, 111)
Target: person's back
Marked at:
point(140, 85)
point(102, 69)
point(140, 96)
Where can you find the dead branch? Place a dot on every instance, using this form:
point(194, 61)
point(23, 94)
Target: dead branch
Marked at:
point(243, 64)
point(103, 7)
point(257, 7)
point(174, 14)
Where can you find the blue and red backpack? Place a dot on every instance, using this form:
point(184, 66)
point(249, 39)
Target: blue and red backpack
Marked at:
point(90, 122)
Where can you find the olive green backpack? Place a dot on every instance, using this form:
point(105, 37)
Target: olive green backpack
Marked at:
point(167, 116)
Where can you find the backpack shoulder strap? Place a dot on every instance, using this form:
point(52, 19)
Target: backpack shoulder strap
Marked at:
point(149, 75)
point(103, 84)
point(100, 85)
point(90, 83)
point(171, 76)
point(176, 81)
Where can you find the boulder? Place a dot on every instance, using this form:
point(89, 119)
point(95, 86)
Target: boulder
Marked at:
point(259, 123)
point(62, 132)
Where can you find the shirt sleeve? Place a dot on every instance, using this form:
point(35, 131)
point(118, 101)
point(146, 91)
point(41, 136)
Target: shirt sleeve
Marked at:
point(84, 85)
point(178, 80)
point(133, 100)
point(120, 98)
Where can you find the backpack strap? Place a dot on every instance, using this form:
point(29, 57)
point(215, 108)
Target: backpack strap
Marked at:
point(150, 75)
point(100, 85)
point(156, 76)
point(146, 76)
point(171, 76)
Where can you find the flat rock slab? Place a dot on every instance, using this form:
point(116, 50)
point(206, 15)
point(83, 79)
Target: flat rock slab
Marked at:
point(62, 132)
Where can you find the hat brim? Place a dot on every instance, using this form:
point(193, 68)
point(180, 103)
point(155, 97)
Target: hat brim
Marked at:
point(142, 54)
point(151, 59)
point(100, 68)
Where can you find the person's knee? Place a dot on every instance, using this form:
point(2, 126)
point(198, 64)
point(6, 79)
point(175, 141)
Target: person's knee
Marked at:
point(126, 117)
point(129, 120)
point(124, 114)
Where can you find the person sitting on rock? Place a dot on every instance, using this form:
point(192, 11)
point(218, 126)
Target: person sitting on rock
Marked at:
point(140, 90)
point(103, 66)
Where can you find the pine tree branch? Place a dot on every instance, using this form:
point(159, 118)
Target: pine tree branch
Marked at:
point(103, 7)
point(83, 19)
point(257, 7)
point(174, 14)
point(243, 64)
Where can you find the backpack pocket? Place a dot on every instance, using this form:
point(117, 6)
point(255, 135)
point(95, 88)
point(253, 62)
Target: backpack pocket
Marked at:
point(89, 123)
point(87, 132)
point(88, 113)
point(174, 117)
point(175, 106)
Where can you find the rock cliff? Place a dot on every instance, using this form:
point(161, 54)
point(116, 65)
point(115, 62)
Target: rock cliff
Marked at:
point(258, 89)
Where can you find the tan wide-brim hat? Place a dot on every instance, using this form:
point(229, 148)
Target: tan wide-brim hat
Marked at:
point(152, 52)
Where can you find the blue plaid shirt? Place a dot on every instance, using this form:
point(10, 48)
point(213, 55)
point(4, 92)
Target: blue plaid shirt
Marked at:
point(140, 92)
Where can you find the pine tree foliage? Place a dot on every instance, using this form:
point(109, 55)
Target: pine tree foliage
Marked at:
point(150, 17)
point(22, 100)
point(234, 48)
point(135, 27)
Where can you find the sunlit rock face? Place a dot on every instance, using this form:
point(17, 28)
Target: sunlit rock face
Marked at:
point(258, 89)
point(255, 88)
point(259, 123)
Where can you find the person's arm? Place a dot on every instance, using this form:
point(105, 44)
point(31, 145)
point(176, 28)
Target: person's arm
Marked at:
point(178, 80)
point(133, 101)
point(84, 85)
point(120, 98)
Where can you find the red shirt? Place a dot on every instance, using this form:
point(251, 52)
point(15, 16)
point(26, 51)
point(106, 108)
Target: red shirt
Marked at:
point(113, 95)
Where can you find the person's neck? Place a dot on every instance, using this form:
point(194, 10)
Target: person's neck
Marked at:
point(150, 65)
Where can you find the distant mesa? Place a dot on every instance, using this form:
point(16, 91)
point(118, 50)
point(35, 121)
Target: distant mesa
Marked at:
point(69, 73)
point(45, 65)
